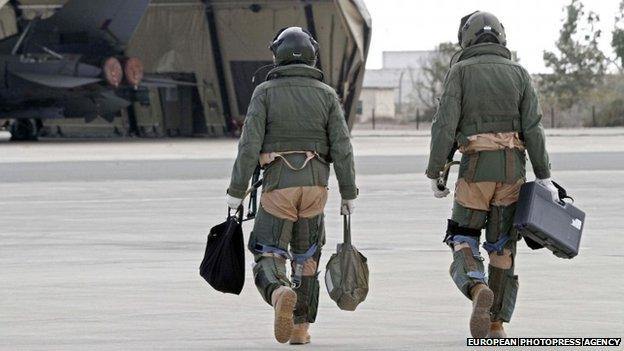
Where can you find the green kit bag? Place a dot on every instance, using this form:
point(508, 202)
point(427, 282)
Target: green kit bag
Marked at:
point(346, 274)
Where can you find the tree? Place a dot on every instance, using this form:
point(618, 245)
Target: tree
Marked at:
point(427, 84)
point(580, 65)
point(617, 41)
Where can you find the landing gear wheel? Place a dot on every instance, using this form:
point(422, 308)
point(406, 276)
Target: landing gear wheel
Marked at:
point(23, 130)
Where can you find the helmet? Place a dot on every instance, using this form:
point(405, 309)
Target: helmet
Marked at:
point(294, 45)
point(478, 27)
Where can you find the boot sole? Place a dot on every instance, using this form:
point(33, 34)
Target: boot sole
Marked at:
point(299, 343)
point(284, 324)
point(480, 318)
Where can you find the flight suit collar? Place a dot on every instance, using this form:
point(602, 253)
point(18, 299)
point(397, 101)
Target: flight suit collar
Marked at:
point(485, 49)
point(295, 70)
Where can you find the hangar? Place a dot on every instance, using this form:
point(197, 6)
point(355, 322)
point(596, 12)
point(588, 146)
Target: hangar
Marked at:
point(217, 46)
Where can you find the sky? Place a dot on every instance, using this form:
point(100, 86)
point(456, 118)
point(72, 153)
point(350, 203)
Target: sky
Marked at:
point(532, 26)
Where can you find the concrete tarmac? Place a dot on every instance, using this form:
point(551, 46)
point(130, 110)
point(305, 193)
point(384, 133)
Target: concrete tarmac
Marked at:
point(103, 254)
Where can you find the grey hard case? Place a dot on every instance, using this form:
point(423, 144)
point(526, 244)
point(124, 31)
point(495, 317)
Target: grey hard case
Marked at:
point(555, 225)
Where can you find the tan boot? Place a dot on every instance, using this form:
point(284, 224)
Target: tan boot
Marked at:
point(300, 335)
point(497, 330)
point(283, 300)
point(482, 299)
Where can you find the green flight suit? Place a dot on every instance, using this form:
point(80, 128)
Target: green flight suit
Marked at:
point(292, 111)
point(486, 92)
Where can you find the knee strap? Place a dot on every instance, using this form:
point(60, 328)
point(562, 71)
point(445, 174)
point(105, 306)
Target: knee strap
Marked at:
point(471, 241)
point(453, 228)
point(456, 235)
point(497, 246)
point(270, 250)
point(299, 260)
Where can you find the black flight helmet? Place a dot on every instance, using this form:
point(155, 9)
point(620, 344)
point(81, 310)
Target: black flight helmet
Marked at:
point(294, 45)
point(479, 27)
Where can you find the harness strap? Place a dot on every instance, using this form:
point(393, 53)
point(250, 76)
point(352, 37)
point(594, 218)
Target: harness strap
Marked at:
point(309, 156)
point(270, 158)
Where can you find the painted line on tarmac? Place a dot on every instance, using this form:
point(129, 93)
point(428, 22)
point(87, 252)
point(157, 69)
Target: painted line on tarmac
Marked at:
point(210, 169)
point(124, 200)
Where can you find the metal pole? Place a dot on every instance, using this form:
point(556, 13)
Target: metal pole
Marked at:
point(552, 117)
point(373, 119)
point(593, 116)
point(401, 91)
point(417, 118)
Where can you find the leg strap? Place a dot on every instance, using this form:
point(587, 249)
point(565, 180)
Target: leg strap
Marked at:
point(467, 267)
point(471, 241)
point(453, 229)
point(299, 261)
point(497, 246)
point(271, 251)
point(459, 235)
point(476, 275)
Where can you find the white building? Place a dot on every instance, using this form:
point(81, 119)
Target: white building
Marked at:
point(378, 102)
point(394, 84)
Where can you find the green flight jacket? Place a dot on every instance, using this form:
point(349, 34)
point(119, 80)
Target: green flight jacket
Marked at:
point(295, 111)
point(486, 92)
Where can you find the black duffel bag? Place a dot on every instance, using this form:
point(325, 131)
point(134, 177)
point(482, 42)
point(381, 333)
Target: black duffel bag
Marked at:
point(223, 266)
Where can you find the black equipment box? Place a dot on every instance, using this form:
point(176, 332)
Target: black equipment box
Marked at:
point(554, 225)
